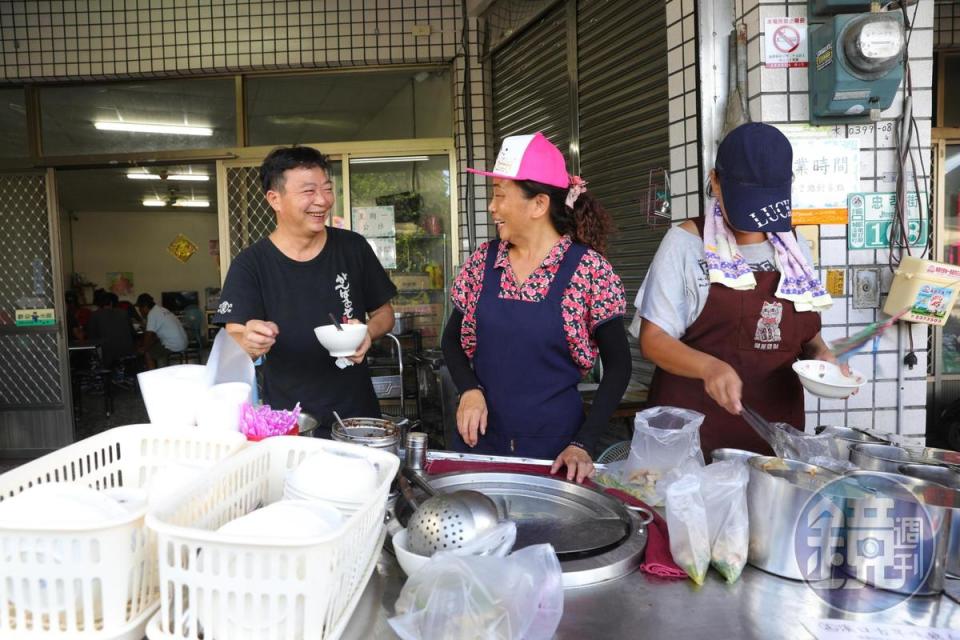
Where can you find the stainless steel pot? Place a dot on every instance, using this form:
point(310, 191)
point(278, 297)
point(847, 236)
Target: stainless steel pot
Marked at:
point(949, 478)
point(376, 433)
point(846, 437)
point(941, 455)
point(402, 322)
point(776, 496)
point(878, 554)
point(879, 457)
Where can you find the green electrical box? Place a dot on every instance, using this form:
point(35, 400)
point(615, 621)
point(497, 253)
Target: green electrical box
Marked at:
point(833, 7)
point(856, 66)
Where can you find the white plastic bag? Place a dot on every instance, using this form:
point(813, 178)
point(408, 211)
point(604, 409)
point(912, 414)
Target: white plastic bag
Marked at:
point(519, 597)
point(723, 486)
point(664, 439)
point(687, 524)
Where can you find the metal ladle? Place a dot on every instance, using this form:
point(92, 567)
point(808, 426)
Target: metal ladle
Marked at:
point(447, 521)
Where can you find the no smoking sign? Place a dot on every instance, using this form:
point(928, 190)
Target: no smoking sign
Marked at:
point(785, 41)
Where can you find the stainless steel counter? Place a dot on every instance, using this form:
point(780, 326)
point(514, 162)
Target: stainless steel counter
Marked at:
point(758, 606)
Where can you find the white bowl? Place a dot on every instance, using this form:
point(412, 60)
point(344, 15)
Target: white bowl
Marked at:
point(409, 561)
point(344, 343)
point(286, 519)
point(335, 477)
point(826, 380)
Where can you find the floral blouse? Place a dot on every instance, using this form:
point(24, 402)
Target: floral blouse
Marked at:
point(594, 295)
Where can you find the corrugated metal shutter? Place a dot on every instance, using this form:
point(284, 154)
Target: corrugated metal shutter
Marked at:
point(530, 83)
point(621, 50)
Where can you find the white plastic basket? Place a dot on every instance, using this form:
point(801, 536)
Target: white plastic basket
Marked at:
point(236, 588)
point(93, 582)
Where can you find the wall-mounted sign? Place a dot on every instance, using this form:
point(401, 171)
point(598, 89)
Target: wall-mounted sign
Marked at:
point(35, 317)
point(377, 222)
point(182, 248)
point(872, 217)
point(785, 42)
point(826, 169)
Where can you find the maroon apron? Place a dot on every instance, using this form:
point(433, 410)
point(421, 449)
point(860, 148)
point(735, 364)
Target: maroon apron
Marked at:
point(760, 336)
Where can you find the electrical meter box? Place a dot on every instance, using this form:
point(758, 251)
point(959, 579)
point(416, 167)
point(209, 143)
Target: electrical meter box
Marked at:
point(833, 7)
point(856, 66)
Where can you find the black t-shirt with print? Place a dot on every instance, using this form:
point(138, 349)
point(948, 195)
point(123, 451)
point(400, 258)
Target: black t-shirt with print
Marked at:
point(345, 279)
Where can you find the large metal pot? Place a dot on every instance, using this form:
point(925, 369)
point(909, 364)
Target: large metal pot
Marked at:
point(846, 437)
point(879, 457)
point(949, 478)
point(740, 455)
point(776, 496)
point(879, 550)
point(942, 455)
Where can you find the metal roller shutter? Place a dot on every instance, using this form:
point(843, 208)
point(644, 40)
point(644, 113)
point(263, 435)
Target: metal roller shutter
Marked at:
point(531, 90)
point(621, 51)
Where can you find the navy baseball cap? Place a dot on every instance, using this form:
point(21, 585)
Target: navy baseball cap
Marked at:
point(755, 167)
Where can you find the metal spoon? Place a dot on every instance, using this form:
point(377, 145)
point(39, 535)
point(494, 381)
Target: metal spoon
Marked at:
point(336, 323)
point(337, 416)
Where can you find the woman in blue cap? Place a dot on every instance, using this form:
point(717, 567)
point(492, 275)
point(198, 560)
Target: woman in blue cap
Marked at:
point(731, 301)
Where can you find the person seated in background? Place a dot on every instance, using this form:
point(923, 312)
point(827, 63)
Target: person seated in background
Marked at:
point(111, 327)
point(163, 332)
point(74, 327)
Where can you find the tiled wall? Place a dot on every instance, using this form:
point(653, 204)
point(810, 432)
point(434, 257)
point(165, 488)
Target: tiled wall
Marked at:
point(779, 96)
point(79, 40)
point(946, 24)
point(682, 87)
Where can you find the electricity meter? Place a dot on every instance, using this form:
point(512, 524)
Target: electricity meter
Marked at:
point(856, 66)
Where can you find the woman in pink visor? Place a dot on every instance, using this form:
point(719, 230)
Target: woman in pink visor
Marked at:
point(534, 309)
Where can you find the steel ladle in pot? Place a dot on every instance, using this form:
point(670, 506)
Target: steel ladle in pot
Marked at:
point(447, 521)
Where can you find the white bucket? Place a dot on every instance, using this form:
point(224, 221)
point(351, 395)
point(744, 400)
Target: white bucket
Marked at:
point(172, 394)
point(220, 406)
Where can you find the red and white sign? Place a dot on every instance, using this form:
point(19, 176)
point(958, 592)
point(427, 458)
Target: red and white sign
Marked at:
point(785, 43)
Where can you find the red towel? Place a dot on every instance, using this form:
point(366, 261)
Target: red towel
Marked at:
point(657, 560)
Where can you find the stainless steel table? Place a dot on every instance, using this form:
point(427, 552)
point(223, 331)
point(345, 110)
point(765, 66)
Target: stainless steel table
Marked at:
point(759, 605)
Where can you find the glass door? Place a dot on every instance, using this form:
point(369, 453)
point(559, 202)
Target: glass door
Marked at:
point(949, 241)
point(401, 204)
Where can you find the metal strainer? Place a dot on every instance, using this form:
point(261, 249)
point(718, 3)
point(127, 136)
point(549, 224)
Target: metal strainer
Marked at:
point(448, 521)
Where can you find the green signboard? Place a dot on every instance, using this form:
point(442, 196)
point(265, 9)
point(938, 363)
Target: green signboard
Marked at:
point(872, 215)
point(35, 317)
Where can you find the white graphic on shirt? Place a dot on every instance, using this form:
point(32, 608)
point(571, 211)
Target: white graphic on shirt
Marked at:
point(343, 288)
point(225, 307)
point(767, 337)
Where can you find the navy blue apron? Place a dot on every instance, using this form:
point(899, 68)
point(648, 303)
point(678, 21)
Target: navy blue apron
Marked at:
point(523, 362)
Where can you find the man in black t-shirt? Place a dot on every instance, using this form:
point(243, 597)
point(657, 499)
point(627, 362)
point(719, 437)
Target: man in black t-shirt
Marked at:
point(281, 287)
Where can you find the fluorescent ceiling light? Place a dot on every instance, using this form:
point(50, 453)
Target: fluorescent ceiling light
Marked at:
point(152, 202)
point(178, 177)
point(388, 159)
point(147, 127)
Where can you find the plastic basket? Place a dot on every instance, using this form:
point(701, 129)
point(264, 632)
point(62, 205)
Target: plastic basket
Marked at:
point(237, 588)
point(93, 583)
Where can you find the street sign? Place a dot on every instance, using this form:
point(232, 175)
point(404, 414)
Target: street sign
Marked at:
point(872, 215)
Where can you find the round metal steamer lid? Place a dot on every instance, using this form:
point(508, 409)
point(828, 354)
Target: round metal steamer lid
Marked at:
point(536, 499)
point(369, 431)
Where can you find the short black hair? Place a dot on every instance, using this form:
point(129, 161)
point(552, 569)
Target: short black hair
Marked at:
point(285, 158)
point(101, 298)
point(145, 300)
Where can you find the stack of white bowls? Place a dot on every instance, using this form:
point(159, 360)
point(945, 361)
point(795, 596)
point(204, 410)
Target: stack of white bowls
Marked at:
point(342, 481)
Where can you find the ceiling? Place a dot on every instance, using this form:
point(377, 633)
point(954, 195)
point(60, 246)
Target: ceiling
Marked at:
point(110, 190)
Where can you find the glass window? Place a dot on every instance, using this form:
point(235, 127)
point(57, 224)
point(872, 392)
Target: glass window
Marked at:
point(951, 252)
point(305, 109)
point(155, 115)
point(13, 124)
point(402, 205)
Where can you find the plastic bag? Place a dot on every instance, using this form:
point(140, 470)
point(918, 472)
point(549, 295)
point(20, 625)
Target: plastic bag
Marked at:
point(723, 486)
point(483, 598)
point(687, 525)
point(664, 439)
point(789, 442)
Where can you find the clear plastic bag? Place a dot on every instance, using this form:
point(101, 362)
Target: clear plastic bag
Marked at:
point(687, 525)
point(483, 598)
point(664, 439)
point(789, 442)
point(723, 486)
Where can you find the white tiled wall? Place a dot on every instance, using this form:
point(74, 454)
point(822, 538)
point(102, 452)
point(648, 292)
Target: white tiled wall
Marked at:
point(75, 40)
point(779, 96)
point(946, 24)
point(682, 90)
